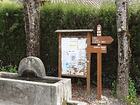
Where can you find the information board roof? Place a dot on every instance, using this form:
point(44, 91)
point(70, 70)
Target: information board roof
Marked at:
point(74, 31)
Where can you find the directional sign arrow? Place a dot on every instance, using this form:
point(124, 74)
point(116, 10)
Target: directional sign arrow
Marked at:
point(97, 49)
point(102, 40)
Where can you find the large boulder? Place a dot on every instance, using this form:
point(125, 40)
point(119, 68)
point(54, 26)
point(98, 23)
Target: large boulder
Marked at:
point(31, 67)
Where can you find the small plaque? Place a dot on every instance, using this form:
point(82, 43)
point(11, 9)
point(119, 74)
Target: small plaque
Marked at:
point(97, 49)
point(102, 40)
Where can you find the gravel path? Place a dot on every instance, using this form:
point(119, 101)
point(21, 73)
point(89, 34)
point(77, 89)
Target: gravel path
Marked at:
point(79, 93)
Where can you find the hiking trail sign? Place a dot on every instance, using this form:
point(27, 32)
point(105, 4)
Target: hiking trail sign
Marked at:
point(99, 49)
point(102, 40)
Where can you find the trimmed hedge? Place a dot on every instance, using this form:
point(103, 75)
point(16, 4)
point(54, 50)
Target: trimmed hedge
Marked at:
point(60, 16)
point(12, 37)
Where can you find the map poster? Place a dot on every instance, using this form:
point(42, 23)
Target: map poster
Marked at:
point(74, 59)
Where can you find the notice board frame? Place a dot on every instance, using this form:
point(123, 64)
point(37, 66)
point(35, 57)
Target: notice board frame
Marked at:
point(70, 33)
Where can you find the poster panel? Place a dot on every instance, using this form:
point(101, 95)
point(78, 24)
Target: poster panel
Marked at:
point(74, 59)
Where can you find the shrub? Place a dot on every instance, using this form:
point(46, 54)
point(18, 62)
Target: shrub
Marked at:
point(9, 68)
point(132, 98)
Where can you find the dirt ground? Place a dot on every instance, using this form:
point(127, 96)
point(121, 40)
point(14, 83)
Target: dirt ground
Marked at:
point(79, 93)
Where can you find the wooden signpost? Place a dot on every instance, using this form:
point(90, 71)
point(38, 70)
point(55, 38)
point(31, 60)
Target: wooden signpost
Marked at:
point(99, 49)
point(74, 61)
point(75, 48)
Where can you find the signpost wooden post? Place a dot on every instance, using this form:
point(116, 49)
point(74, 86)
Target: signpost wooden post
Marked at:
point(73, 60)
point(75, 48)
point(99, 49)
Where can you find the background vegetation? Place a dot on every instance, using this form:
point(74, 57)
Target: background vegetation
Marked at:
point(60, 16)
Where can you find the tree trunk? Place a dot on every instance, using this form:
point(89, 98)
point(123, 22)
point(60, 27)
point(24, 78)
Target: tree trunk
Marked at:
point(123, 48)
point(32, 27)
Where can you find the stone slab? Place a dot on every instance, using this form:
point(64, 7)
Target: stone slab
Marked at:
point(35, 93)
point(7, 102)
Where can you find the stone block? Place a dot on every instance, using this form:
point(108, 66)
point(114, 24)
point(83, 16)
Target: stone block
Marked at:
point(35, 93)
point(31, 66)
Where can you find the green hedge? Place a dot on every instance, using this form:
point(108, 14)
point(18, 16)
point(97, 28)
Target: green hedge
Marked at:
point(12, 37)
point(60, 16)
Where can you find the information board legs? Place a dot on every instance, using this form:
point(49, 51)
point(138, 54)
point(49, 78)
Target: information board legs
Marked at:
point(88, 62)
point(59, 56)
point(88, 73)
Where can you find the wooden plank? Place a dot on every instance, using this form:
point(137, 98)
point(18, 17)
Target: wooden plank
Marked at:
point(99, 76)
point(88, 62)
point(102, 40)
point(59, 57)
point(97, 49)
point(74, 31)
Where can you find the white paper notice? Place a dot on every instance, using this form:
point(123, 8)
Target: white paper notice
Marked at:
point(74, 60)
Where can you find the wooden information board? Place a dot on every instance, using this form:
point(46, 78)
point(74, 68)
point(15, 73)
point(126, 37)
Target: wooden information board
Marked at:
point(73, 58)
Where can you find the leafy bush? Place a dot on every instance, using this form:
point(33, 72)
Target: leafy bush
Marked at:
point(113, 88)
point(132, 98)
point(12, 37)
point(9, 68)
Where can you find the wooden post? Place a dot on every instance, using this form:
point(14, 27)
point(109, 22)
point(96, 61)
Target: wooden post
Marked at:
point(88, 62)
point(99, 50)
point(99, 75)
point(99, 66)
point(59, 56)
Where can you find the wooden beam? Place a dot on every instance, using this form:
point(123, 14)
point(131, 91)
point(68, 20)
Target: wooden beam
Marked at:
point(88, 62)
point(59, 57)
point(99, 75)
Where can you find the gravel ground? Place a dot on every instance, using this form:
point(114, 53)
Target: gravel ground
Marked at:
point(79, 93)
